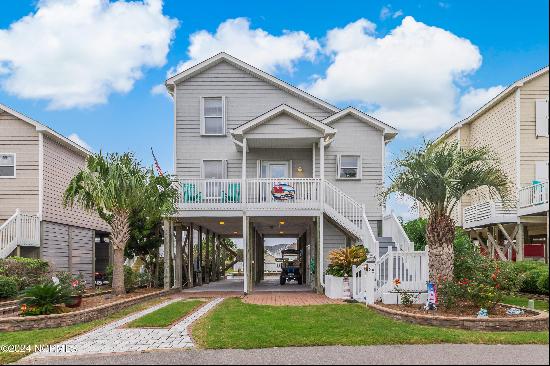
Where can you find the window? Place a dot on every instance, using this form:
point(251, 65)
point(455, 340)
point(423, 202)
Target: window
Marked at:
point(541, 116)
point(213, 116)
point(7, 165)
point(349, 167)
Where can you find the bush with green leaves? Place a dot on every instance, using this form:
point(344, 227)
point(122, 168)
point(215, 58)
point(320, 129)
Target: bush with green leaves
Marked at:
point(532, 273)
point(129, 277)
point(74, 283)
point(42, 299)
point(416, 231)
point(542, 283)
point(8, 287)
point(479, 280)
point(342, 260)
point(27, 271)
point(143, 279)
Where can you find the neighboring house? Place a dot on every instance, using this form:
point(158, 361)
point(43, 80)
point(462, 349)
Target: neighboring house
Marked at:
point(36, 165)
point(270, 264)
point(258, 158)
point(514, 125)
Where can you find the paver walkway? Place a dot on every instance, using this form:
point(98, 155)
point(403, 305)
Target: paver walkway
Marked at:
point(288, 299)
point(111, 338)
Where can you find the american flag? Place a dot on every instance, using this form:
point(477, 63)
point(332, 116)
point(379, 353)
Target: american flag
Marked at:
point(157, 166)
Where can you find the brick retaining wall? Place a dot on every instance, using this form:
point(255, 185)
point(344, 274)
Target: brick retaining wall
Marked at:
point(537, 322)
point(60, 320)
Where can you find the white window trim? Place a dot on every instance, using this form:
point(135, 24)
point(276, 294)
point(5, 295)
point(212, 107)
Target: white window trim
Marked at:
point(14, 166)
point(359, 166)
point(202, 116)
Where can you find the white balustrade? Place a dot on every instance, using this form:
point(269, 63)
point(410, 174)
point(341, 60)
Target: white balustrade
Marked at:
point(19, 230)
point(488, 212)
point(283, 193)
point(536, 194)
point(391, 227)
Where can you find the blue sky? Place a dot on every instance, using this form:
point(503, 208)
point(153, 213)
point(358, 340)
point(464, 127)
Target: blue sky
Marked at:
point(62, 65)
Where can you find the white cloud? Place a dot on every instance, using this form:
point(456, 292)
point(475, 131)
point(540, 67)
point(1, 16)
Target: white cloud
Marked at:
point(474, 99)
point(402, 206)
point(75, 53)
point(255, 46)
point(412, 75)
point(387, 12)
point(76, 139)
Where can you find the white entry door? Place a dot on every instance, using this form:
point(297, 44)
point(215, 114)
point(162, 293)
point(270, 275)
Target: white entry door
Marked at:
point(275, 169)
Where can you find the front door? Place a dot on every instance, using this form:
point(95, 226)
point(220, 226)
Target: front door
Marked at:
point(275, 169)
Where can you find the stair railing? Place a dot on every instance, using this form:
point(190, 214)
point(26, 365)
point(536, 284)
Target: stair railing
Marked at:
point(391, 227)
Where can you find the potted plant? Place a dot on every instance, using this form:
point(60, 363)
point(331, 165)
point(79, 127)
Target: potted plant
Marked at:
point(75, 286)
point(340, 266)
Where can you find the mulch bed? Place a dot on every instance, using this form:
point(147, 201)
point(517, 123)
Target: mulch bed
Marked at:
point(98, 300)
point(462, 310)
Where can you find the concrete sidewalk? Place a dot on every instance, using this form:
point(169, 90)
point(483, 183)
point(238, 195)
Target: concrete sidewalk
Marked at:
point(442, 354)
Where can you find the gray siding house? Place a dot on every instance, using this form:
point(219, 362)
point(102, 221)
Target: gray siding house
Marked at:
point(36, 165)
point(257, 158)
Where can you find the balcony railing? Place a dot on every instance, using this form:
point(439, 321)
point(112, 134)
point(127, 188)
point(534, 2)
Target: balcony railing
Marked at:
point(489, 212)
point(261, 193)
point(533, 199)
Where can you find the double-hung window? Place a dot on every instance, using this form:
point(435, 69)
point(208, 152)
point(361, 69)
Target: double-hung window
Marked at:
point(213, 116)
point(349, 167)
point(7, 165)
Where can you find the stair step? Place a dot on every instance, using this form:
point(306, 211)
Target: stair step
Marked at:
point(384, 239)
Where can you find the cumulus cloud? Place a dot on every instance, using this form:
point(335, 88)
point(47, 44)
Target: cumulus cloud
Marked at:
point(474, 99)
point(75, 53)
point(402, 206)
point(76, 139)
point(257, 47)
point(412, 75)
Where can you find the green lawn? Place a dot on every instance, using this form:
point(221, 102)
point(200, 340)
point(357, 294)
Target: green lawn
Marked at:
point(522, 301)
point(167, 315)
point(234, 324)
point(55, 335)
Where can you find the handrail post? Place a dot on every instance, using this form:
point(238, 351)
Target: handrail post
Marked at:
point(17, 226)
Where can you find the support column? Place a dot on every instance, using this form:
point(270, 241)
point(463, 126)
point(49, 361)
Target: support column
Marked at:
point(246, 263)
point(520, 237)
point(190, 261)
point(207, 265)
point(214, 257)
point(179, 275)
point(167, 252)
point(199, 257)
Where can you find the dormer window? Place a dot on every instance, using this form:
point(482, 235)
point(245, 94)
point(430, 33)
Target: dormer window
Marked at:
point(7, 165)
point(213, 116)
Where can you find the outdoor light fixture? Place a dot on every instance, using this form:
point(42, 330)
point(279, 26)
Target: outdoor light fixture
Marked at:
point(222, 222)
point(281, 232)
point(235, 232)
point(300, 169)
point(281, 222)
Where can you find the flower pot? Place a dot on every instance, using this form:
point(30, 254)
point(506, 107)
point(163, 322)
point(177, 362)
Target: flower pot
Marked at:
point(74, 301)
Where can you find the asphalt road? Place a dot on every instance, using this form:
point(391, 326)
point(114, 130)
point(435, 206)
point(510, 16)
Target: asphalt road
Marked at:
point(390, 355)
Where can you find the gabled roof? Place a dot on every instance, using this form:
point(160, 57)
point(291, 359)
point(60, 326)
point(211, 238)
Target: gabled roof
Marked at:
point(220, 57)
point(45, 129)
point(506, 92)
point(388, 130)
point(284, 109)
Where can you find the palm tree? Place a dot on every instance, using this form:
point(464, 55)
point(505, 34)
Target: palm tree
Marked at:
point(437, 175)
point(115, 186)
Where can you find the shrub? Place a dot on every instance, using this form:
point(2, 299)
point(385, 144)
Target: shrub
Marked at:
point(27, 271)
point(129, 277)
point(342, 260)
point(8, 287)
point(542, 283)
point(42, 299)
point(143, 279)
point(531, 273)
point(75, 284)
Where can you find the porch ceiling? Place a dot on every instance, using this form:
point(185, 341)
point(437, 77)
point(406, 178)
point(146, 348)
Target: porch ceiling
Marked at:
point(270, 226)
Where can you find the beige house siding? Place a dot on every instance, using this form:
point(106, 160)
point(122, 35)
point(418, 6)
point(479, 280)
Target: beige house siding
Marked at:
point(60, 165)
point(532, 148)
point(19, 137)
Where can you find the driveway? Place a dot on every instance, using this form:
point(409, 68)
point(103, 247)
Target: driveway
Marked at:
point(405, 355)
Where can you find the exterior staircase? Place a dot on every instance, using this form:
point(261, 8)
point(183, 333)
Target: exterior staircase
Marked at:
point(391, 256)
point(19, 230)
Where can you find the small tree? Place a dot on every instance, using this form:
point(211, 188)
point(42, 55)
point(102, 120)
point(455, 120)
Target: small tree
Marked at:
point(437, 175)
point(115, 186)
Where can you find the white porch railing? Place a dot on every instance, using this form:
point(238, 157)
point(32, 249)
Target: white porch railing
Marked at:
point(19, 230)
point(411, 268)
point(488, 212)
point(283, 193)
point(391, 227)
point(209, 194)
point(534, 195)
